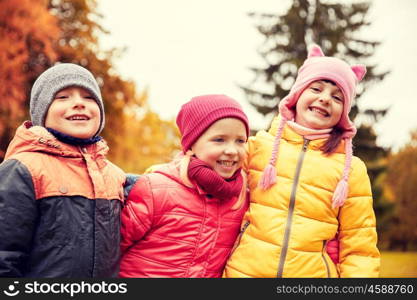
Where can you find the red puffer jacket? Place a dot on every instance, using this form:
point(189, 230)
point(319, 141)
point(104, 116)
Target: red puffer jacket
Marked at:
point(171, 230)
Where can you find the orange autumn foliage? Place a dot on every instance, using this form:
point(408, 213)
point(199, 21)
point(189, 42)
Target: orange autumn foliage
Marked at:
point(36, 34)
point(27, 34)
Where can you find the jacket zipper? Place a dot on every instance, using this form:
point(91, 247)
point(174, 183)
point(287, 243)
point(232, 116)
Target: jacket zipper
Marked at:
point(324, 259)
point(287, 233)
point(93, 266)
point(237, 242)
point(94, 239)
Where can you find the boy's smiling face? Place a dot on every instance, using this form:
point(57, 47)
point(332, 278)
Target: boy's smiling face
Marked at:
point(74, 112)
point(222, 146)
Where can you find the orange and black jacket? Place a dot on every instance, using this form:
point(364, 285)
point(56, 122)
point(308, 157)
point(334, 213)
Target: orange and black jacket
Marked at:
point(59, 208)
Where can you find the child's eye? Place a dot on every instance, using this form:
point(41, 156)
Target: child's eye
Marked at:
point(61, 97)
point(218, 140)
point(315, 89)
point(241, 141)
point(338, 98)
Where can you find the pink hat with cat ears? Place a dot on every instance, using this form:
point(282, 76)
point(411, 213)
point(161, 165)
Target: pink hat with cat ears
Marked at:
point(316, 67)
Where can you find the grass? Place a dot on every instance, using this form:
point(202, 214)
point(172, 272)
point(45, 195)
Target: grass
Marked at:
point(398, 264)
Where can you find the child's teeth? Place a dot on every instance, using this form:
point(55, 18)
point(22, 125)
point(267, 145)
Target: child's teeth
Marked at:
point(320, 111)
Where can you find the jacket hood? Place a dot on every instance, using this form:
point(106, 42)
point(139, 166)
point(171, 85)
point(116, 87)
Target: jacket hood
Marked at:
point(29, 138)
point(289, 134)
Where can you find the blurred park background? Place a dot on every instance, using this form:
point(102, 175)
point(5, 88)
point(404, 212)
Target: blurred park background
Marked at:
point(140, 111)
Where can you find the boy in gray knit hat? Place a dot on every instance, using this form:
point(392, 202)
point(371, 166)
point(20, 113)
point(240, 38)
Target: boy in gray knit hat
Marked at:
point(60, 197)
point(56, 79)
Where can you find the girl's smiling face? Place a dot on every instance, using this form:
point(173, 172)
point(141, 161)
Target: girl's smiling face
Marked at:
point(222, 146)
point(320, 105)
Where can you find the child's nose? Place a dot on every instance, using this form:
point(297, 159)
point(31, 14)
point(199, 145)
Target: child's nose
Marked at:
point(78, 101)
point(230, 149)
point(325, 97)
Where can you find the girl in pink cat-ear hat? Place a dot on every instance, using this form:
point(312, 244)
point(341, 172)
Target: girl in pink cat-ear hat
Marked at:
point(306, 186)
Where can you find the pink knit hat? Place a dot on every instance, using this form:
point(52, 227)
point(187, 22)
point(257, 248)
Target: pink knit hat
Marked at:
point(317, 67)
point(200, 112)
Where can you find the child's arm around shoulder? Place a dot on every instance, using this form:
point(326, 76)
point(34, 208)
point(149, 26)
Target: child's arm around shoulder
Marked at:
point(129, 183)
point(137, 213)
point(359, 255)
point(18, 217)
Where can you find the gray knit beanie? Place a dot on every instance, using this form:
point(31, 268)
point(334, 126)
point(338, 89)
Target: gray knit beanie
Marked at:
point(56, 78)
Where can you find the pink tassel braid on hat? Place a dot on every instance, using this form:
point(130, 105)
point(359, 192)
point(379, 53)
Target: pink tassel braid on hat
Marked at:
point(318, 67)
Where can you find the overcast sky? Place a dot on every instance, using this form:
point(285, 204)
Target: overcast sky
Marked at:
point(184, 48)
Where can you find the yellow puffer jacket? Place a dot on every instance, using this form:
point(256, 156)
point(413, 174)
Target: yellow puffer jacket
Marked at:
point(285, 230)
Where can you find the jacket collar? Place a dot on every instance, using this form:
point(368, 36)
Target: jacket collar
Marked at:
point(29, 138)
point(172, 171)
point(291, 136)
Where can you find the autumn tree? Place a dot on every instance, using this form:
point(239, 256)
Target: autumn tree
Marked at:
point(79, 43)
point(151, 140)
point(27, 35)
point(71, 32)
point(401, 180)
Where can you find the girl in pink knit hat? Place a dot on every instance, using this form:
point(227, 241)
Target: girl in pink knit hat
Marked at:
point(306, 186)
point(182, 220)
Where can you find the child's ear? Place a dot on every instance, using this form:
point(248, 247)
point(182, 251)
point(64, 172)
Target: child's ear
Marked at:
point(360, 71)
point(315, 51)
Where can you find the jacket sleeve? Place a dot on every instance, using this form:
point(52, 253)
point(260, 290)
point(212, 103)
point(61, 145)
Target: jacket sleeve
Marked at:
point(137, 214)
point(359, 255)
point(18, 217)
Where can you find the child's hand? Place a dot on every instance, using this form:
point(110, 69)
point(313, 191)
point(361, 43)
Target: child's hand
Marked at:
point(332, 248)
point(130, 181)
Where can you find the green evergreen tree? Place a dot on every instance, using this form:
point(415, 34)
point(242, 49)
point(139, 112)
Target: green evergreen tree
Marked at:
point(335, 27)
point(332, 26)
